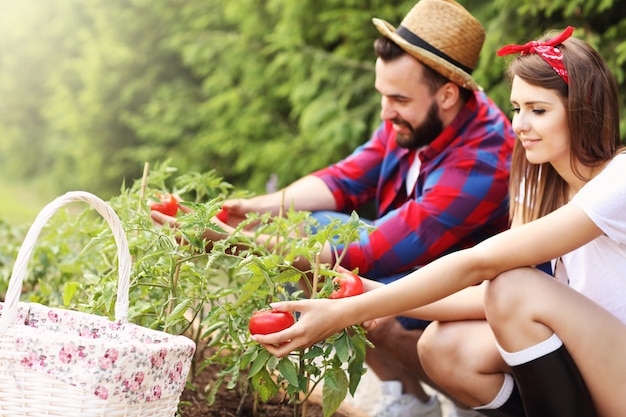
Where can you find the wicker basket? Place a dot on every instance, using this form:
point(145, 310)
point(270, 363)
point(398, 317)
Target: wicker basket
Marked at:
point(56, 362)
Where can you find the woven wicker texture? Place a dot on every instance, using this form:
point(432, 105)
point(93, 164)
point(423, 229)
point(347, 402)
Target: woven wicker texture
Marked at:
point(56, 362)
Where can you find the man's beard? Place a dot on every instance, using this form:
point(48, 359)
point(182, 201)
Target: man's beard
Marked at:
point(421, 135)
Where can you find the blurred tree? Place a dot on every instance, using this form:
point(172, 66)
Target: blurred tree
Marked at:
point(32, 44)
point(287, 86)
point(119, 66)
point(91, 89)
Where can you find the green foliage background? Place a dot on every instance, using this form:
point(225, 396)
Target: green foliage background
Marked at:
point(92, 89)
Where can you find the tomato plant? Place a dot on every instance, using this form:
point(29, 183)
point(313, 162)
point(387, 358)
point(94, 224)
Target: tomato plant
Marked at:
point(347, 284)
point(209, 296)
point(168, 204)
point(270, 321)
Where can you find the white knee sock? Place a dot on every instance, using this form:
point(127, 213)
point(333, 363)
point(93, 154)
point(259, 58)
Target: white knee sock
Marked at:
point(533, 352)
point(516, 358)
point(503, 395)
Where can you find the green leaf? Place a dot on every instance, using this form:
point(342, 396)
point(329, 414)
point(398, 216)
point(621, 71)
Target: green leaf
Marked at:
point(260, 362)
point(314, 352)
point(212, 327)
point(355, 371)
point(258, 278)
point(342, 346)
point(288, 371)
point(69, 291)
point(109, 292)
point(178, 313)
point(288, 275)
point(249, 355)
point(334, 391)
point(263, 383)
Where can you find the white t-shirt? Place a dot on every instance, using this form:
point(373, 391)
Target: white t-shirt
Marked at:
point(598, 269)
point(414, 172)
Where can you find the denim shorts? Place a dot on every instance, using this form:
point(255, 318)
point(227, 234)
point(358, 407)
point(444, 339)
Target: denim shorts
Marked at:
point(326, 217)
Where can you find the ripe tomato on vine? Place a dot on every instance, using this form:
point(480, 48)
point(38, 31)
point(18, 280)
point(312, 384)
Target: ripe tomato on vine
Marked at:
point(347, 284)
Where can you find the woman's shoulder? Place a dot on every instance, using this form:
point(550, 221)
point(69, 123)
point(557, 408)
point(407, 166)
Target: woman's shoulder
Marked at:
point(615, 166)
point(621, 154)
point(608, 188)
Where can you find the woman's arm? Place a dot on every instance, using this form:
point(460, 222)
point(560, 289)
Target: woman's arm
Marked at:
point(549, 237)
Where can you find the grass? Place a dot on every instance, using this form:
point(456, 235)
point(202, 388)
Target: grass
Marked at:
point(20, 202)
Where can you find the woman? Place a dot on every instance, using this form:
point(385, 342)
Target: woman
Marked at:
point(558, 342)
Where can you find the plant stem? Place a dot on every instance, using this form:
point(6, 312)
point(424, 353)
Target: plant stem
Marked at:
point(173, 282)
point(305, 402)
point(316, 273)
point(281, 212)
point(144, 184)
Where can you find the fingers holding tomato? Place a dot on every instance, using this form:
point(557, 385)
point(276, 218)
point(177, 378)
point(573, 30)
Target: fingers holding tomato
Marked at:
point(223, 215)
point(232, 216)
point(318, 319)
point(168, 205)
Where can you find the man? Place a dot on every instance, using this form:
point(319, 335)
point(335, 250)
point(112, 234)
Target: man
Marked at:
point(436, 169)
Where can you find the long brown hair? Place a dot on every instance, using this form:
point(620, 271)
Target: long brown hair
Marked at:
point(592, 106)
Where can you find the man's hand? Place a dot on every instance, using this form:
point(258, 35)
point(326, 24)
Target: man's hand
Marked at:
point(210, 235)
point(160, 218)
point(235, 211)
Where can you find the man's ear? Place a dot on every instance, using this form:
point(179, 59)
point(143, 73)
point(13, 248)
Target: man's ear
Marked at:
point(448, 95)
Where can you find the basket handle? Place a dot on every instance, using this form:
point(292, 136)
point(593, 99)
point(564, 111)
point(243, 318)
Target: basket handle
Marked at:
point(9, 313)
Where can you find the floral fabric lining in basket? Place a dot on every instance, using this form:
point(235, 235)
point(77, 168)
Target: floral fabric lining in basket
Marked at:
point(57, 362)
point(113, 360)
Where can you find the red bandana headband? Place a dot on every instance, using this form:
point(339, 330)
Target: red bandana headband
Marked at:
point(547, 50)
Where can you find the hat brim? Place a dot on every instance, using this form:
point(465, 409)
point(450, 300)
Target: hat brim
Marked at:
point(445, 68)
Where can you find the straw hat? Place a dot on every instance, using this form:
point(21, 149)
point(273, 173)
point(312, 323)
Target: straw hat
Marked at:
point(441, 34)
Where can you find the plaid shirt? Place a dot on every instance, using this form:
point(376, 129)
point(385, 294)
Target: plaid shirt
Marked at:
point(460, 198)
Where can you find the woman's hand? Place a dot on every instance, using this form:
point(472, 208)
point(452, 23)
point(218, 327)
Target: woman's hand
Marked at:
point(319, 319)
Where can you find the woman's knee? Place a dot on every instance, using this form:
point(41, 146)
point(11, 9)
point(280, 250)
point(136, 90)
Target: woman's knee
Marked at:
point(457, 355)
point(509, 296)
point(439, 340)
point(505, 293)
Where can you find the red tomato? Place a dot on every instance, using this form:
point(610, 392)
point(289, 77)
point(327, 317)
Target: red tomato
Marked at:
point(270, 321)
point(168, 205)
point(223, 215)
point(346, 285)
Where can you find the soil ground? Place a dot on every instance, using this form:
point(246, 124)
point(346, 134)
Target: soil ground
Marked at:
point(228, 403)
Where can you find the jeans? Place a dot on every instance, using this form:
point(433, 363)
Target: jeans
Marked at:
point(324, 218)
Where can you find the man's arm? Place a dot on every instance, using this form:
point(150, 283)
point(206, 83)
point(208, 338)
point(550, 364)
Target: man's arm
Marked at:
point(309, 193)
